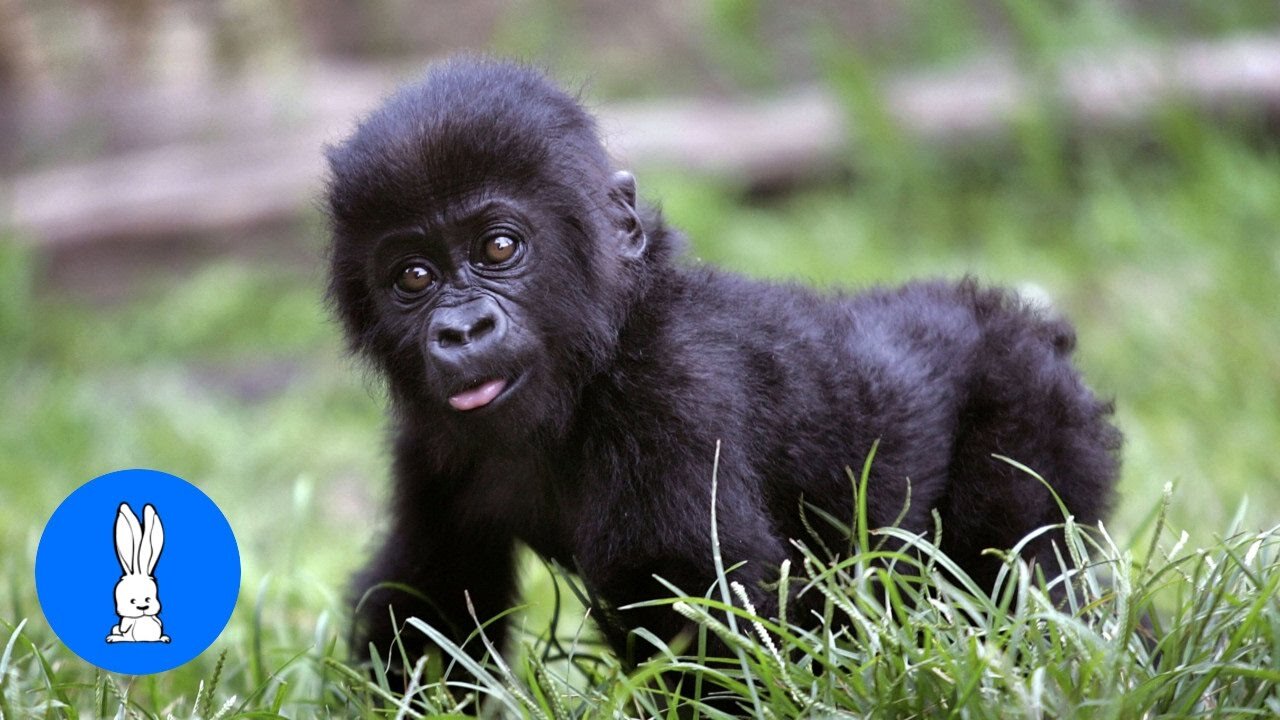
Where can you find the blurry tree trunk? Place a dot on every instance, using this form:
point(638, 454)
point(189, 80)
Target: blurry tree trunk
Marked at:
point(133, 21)
point(22, 70)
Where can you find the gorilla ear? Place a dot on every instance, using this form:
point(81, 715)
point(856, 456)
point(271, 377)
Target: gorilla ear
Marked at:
point(626, 221)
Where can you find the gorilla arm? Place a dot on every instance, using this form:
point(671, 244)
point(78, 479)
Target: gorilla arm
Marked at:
point(434, 557)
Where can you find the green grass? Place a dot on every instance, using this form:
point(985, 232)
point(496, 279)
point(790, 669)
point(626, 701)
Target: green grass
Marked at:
point(1164, 249)
point(1167, 632)
point(233, 377)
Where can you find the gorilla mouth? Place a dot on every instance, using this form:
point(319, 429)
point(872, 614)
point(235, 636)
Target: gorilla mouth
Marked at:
point(478, 395)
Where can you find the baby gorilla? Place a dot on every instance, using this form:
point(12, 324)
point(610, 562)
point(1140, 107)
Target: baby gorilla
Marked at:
point(558, 378)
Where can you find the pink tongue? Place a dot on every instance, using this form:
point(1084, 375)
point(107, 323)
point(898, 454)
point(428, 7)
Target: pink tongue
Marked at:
point(478, 397)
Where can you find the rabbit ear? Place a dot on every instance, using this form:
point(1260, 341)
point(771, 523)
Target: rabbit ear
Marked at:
point(152, 540)
point(128, 536)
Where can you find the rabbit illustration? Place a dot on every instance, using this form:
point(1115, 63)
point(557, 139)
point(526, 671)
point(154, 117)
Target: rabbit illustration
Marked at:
point(137, 596)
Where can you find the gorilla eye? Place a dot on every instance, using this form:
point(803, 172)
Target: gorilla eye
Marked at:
point(497, 249)
point(414, 278)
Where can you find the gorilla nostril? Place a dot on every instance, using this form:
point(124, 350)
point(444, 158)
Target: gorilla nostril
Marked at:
point(482, 327)
point(448, 337)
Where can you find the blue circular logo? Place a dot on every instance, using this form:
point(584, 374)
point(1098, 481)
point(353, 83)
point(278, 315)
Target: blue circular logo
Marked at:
point(137, 571)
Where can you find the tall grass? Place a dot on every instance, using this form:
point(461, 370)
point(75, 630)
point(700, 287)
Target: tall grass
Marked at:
point(1173, 632)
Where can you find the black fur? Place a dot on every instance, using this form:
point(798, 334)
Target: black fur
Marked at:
point(632, 366)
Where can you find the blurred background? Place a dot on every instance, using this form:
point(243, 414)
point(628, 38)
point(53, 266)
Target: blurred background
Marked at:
point(162, 241)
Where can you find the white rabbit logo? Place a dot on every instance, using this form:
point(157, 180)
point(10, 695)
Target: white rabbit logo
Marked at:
point(137, 597)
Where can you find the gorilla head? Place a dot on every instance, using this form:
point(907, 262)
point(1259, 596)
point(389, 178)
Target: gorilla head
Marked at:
point(485, 253)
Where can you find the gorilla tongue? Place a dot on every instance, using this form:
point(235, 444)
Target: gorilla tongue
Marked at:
point(478, 396)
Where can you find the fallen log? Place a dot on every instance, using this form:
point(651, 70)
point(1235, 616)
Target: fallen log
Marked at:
point(253, 178)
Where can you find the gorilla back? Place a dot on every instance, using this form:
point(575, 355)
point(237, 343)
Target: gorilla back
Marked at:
point(558, 377)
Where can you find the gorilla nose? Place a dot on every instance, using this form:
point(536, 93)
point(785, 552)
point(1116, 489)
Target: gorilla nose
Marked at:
point(467, 329)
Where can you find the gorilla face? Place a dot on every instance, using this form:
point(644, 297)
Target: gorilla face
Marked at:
point(487, 305)
point(456, 295)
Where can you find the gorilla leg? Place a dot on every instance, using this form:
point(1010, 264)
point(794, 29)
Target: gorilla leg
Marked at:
point(1026, 403)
